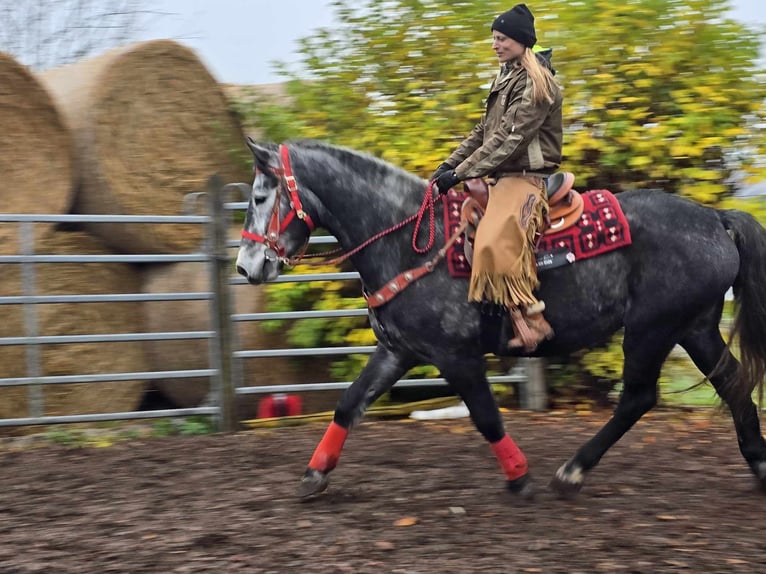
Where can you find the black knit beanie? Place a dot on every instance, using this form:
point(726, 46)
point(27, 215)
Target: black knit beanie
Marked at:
point(518, 23)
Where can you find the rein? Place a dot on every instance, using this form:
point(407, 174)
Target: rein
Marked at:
point(275, 250)
point(392, 288)
point(428, 204)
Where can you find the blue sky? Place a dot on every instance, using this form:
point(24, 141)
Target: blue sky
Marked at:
point(239, 39)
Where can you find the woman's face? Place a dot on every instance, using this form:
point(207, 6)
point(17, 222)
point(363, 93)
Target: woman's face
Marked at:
point(506, 48)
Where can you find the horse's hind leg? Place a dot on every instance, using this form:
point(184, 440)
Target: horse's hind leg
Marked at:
point(467, 377)
point(380, 373)
point(644, 354)
point(705, 347)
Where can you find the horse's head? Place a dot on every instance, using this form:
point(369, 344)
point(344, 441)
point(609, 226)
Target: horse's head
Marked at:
point(276, 227)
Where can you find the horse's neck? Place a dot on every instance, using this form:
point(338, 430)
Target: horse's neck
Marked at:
point(355, 208)
point(357, 195)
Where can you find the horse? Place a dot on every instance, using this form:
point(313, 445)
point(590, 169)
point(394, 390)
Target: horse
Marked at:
point(667, 288)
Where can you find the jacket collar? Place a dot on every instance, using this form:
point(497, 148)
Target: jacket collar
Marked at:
point(505, 72)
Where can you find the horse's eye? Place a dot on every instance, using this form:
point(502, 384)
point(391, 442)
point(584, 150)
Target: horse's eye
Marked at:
point(259, 200)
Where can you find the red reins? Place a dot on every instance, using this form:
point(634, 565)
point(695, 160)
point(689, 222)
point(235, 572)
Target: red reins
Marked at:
point(393, 287)
point(275, 227)
point(428, 203)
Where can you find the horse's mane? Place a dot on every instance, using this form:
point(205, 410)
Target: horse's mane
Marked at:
point(353, 159)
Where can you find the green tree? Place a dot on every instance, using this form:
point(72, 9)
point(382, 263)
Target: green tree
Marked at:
point(389, 80)
point(661, 93)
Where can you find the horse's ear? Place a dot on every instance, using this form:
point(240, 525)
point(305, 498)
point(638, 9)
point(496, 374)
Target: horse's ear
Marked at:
point(265, 154)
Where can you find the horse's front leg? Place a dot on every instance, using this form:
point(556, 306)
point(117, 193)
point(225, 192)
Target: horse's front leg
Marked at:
point(644, 355)
point(379, 374)
point(467, 376)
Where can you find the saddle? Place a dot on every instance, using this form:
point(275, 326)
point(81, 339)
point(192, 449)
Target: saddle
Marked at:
point(565, 206)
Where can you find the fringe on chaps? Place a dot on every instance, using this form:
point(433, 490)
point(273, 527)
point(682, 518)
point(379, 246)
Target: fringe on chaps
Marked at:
point(504, 270)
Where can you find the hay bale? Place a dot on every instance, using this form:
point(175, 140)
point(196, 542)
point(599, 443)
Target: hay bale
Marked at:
point(193, 354)
point(73, 319)
point(196, 316)
point(150, 125)
point(36, 162)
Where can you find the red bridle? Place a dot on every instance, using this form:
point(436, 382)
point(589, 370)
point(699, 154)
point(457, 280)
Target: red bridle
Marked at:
point(392, 288)
point(276, 227)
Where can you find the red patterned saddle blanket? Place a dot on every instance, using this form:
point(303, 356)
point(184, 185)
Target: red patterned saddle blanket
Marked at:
point(601, 228)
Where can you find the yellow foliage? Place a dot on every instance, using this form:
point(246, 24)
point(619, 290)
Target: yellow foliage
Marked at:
point(639, 161)
point(361, 337)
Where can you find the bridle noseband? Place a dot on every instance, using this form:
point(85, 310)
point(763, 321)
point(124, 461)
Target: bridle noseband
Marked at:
point(287, 185)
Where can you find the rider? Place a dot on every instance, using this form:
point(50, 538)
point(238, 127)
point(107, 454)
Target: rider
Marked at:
point(517, 144)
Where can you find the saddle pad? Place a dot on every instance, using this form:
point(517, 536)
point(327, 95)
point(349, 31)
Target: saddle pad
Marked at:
point(602, 227)
point(456, 262)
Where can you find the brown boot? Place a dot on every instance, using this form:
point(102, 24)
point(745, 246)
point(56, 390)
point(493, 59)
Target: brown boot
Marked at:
point(530, 330)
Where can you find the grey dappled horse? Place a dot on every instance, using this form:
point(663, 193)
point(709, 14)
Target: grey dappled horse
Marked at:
point(666, 288)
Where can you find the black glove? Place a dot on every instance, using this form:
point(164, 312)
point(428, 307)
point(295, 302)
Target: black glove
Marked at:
point(447, 181)
point(440, 170)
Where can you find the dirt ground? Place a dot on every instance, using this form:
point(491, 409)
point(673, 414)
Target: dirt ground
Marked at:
point(673, 495)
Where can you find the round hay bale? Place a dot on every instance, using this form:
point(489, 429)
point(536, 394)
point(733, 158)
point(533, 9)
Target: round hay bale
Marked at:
point(36, 158)
point(150, 125)
point(193, 354)
point(73, 319)
point(196, 316)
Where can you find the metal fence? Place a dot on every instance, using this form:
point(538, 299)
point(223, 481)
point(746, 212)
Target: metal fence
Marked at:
point(224, 364)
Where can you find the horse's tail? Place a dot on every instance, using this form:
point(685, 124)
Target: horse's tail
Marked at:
point(750, 299)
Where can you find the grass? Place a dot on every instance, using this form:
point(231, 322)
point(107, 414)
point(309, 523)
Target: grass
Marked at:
point(107, 434)
point(684, 390)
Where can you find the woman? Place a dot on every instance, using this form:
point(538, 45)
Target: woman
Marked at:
point(517, 144)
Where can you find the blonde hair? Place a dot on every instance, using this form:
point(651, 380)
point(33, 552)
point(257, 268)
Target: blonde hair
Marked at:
point(543, 84)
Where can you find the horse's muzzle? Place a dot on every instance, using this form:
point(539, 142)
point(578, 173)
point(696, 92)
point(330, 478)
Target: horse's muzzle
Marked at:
point(254, 279)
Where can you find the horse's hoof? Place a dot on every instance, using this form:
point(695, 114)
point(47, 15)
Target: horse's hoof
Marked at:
point(567, 482)
point(522, 487)
point(313, 482)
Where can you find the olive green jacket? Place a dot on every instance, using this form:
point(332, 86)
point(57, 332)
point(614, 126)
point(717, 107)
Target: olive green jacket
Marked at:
point(515, 135)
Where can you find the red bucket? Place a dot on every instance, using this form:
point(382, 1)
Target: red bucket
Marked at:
point(279, 405)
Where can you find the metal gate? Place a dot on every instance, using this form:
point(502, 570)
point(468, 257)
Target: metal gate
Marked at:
point(224, 368)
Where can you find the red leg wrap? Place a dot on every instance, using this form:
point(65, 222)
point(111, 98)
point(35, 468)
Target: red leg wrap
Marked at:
point(327, 452)
point(511, 459)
